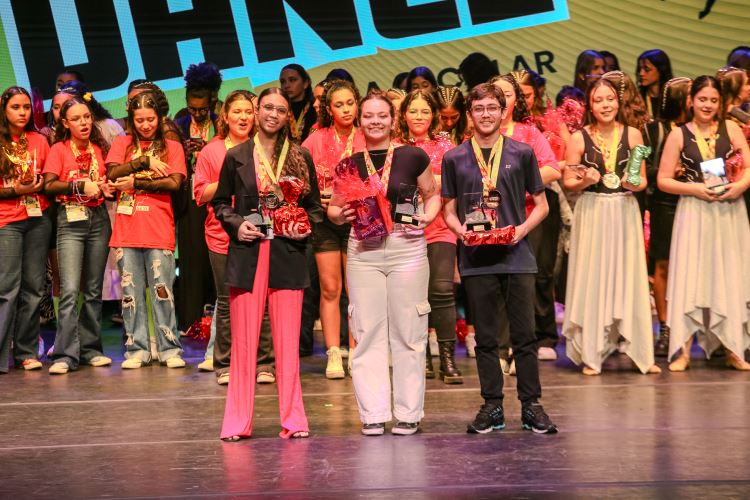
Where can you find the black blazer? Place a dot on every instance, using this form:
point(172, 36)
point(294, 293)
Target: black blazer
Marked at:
point(237, 182)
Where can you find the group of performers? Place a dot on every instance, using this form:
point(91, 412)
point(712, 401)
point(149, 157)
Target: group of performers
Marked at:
point(394, 197)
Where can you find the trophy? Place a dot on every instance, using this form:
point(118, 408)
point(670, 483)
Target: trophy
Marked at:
point(407, 204)
point(479, 215)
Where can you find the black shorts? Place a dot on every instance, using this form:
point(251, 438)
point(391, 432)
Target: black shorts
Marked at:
point(330, 237)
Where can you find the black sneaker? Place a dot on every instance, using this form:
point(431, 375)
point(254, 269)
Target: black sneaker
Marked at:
point(405, 428)
point(533, 418)
point(490, 418)
point(373, 429)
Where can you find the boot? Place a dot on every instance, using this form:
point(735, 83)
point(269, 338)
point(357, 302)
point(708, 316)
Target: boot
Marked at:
point(448, 371)
point(429, 371)
point(661, 346)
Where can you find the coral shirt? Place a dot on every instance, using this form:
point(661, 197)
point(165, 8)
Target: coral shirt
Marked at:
point(545, 157)
point(435, 148)
point(12, 209)
point(62, 163)
point(151, 224)
point(207, 172)
point(327, 152)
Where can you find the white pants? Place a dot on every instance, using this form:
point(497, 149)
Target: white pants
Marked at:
point(387, 282)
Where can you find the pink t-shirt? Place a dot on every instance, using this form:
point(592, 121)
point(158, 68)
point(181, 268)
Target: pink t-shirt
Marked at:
point(13, 210)
point(545, 157)
point(62, 163)
point(152, 223)
point(207, 171)
point(327, 152)
point(435, 148)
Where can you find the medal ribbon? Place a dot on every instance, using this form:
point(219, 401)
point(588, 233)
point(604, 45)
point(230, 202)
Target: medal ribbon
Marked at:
point(609, 154)
point(200, 130)
point(372, 171)
point(296, 125)
point(349, 143)
point(86, 161)
point(510, 128)
point(267, 175)
point(489, 174)
point(706, 147)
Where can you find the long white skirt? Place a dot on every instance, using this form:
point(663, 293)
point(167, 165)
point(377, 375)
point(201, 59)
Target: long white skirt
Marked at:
point(607, 290)
point(708, 290)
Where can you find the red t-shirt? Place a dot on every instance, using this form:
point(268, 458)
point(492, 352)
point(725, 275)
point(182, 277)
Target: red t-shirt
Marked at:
point(152, 223)
point(327, 152)
point(207, 171)
point(435, 148)
point(62, 163)
point(12, 210)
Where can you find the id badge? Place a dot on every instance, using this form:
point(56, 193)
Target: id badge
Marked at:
point(76, 212)
point(126, 204)
point(33, 207)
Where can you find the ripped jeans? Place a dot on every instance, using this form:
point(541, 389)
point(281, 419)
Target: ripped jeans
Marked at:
point(149, 269)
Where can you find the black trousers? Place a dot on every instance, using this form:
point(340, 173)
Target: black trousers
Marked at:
point(442, 258)
point(515, 292)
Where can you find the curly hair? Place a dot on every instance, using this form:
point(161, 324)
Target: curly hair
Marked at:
point(632, 106)
point(222, 127)
point(402, 128)
point(329, 88)
point(81, 90)
point(452, 97)
point(295, 163)
point(63, 134)
point(205, 75)
point(145, 100)
point(520, 110)
point(8, 169)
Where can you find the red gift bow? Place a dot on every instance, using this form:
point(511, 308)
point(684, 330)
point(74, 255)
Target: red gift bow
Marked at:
point(290, 217)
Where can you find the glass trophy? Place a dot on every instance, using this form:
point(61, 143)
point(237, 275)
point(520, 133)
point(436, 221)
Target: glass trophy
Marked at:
point(478, 217)
point(714, 175)
point(408, 204)
point(262, 222)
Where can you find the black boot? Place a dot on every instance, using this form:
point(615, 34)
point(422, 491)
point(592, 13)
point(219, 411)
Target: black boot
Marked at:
point(429, 371)
point(661, 346)
point(448, 371)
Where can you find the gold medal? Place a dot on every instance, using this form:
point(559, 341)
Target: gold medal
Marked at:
point(611, 181)
point(493, 199)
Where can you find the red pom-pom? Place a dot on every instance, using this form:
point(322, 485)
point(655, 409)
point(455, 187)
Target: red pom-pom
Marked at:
point(291, 187)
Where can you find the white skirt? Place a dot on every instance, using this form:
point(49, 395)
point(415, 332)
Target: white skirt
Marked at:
point(708, 290)
point(607, 292)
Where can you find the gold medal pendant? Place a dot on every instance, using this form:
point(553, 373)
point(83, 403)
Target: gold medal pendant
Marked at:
point(611, 181)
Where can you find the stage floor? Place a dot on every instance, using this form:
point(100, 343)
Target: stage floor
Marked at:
point(102, 432)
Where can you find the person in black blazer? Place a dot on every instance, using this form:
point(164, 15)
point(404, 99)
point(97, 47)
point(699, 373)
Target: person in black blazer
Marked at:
point(261, 264)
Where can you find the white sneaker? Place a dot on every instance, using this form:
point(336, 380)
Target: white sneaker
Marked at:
point(207, 365)
point(100, 361)
point(59, 368)
point(175, 362)
point(132, 363)
point(432, 339)
point(223, 379)
point(335, 368)
point(265, 378)
point(546, 354)
point(471, 344)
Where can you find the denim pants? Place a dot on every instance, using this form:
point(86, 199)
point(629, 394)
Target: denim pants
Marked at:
point(388, 279)
point(151, 269)
point(82, 250)
point(23, 269)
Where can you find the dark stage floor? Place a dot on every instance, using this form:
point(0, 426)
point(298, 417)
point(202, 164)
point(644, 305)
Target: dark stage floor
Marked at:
point(102, 432)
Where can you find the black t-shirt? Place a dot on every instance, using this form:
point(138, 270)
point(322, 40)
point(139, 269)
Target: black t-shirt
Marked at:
point(518, 175)
point(409, 162)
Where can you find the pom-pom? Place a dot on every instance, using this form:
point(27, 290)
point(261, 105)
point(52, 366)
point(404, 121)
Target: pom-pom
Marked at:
point(571, 112)
point(734, 166)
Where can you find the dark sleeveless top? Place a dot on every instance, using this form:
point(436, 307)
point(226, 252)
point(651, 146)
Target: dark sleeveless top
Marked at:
point(691, 158)
point(592, 158)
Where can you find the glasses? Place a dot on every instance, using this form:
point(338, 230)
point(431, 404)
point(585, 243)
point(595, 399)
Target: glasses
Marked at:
point(197, 111)
point(480, 110)
point(270, 108)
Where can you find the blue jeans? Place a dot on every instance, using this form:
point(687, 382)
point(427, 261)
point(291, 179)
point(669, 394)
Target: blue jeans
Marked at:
point(82, 250)
point(23, 269)
point(150, 269)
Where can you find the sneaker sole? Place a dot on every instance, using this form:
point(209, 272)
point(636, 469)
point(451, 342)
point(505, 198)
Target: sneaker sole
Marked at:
point(373, 432)
point(335, 375)
point(404, 432)
point(473, 430)
point(527, 427)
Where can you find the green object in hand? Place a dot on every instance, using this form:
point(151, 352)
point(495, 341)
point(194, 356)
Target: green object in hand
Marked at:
point(633, 169)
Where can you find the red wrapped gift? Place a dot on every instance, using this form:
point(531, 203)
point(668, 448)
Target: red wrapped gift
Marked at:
point(498, 236)
point(734, 167)
point(372, 208)
point(289, 217)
